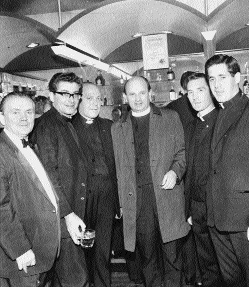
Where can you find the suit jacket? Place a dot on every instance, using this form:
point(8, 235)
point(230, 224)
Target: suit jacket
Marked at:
point(104, 128)
point(183, 107)
point(63, 161)
point(28, 219)
point(167, 152)
point(229, 182)
point(191, 152)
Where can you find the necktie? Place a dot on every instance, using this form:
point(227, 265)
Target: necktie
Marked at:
point(26, 143)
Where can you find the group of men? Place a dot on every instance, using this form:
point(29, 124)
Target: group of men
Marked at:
point(75, 170)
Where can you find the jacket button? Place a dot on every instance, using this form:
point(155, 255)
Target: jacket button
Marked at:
point(54, 211)
point(83, 184)
point(82, 198)
point(215, 171)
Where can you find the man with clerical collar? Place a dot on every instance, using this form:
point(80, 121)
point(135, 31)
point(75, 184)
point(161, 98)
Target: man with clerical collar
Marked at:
point(102, 203)
point(150, 162)
point(228, 196)
point(198, 135)
point(29, 206)
point(60, 153)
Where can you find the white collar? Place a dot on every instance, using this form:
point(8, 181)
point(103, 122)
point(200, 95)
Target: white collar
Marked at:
point(202, 114)
point(15, 139)
point(140, 114)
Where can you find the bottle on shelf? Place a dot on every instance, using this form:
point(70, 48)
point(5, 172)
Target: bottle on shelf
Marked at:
point(246, 86)
point(172, 94)
point(170, 74)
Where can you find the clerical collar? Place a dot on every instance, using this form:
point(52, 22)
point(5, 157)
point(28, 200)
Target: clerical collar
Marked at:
point(88, 120)
point(232, 101)
point(203, 113)
point(141, 114)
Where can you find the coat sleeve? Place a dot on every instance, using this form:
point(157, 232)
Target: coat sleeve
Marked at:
point(45, 136)
point(13, 239)
point(179, 161)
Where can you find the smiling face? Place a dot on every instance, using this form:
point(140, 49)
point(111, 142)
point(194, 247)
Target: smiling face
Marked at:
point(224, 86)
point(18, 115)
point(199, 94)
point(91, 101)
point(66, 106)
point(137, 94)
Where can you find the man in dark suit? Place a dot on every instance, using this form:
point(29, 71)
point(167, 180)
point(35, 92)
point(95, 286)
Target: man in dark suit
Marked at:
point(187, 114)
point(29, 207)
point(228, 199)
point(102, 196)
point(182, 105)
point(60, 153)
point(198, 136)
point(150, 162)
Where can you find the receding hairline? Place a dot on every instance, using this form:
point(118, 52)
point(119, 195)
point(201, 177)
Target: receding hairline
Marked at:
point(7, 98)
point(87, 86)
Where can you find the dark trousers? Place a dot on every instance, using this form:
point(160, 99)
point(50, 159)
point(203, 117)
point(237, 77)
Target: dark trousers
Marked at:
point(190, 262)
point(208, 262)
point(38, 280)
point(232, 249)
point(70, 267)
point(100, 216)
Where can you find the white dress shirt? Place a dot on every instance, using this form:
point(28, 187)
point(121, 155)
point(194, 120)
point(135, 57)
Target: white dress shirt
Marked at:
point(35, 163)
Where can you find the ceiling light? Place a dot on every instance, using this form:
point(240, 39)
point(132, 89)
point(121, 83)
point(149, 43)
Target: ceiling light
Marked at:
point(209, 35)
point(167, 32)
point(33, 45)
point(139, 34)
point(77, 55)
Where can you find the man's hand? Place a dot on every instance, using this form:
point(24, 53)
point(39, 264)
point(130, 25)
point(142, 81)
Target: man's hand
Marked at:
point(120, 214)
point(25, 260)
point(169, 180)
point(75, 227)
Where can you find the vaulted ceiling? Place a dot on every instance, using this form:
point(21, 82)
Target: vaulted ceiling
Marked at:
point(105, 28)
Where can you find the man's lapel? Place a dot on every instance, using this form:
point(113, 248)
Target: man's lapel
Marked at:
point(32, 175)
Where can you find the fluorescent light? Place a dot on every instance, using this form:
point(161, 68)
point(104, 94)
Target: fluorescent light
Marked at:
point(209, 35)
point(77, 56)
point(118, 73)
point(33, 45)
point(139, 34)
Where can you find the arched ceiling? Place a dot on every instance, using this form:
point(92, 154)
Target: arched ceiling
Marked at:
point(103, 28)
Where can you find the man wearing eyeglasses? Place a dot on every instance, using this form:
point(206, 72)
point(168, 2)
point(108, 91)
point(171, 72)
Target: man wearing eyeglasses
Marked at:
point(60, 153)
point(102, 203)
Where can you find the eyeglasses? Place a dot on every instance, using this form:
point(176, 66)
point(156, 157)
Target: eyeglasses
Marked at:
point(66, 95)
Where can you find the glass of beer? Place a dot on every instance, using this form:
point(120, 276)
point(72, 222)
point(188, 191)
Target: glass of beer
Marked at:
point(87, 238)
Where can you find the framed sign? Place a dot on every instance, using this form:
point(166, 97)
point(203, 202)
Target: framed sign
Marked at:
point(155, 51)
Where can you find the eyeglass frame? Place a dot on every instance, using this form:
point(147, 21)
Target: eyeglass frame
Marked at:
point(69, 95)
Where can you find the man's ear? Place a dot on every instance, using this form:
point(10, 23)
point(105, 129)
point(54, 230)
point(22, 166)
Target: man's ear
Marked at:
point(150, 95)
point(2, 119)
point(51, 96)
point(237, 77)
point(125, 98)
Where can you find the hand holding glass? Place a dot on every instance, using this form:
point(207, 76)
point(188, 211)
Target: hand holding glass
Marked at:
point(87, 239)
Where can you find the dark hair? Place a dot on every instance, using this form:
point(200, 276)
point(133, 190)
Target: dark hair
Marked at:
point(13, 95)
point(64, 77)
point(195, 76)
point(184, 78)
point(142, 77)
point(231, 63)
